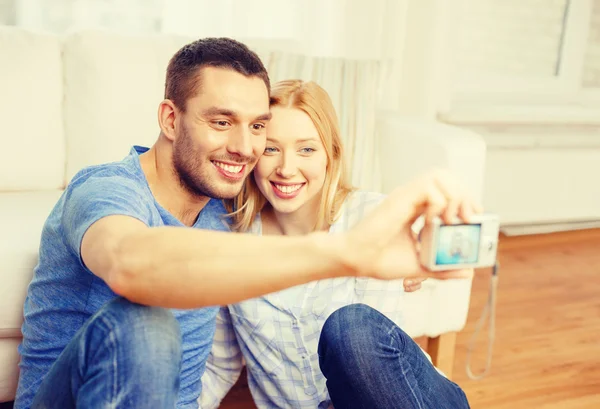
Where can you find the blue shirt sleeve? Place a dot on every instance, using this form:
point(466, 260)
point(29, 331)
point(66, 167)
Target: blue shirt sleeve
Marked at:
point(90, 200)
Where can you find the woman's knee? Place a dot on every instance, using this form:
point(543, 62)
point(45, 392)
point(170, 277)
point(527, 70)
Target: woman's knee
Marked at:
point(350, 326)
point(358, 326)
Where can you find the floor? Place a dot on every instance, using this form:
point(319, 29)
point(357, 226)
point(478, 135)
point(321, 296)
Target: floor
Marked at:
point(547, 346)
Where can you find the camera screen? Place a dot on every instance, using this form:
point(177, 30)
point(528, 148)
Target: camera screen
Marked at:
point(458, 244)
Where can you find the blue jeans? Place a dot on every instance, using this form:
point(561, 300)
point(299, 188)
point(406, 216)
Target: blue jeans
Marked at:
point(370, 363)
point(125, 356)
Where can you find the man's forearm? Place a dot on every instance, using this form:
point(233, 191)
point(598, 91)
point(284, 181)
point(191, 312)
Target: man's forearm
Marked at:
point(185, 268)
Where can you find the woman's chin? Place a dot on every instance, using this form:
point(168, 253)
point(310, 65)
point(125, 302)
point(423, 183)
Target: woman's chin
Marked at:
point(285, 208)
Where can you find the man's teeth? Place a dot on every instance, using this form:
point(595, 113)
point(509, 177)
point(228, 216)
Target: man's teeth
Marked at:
point(229, 168)
point(288, 188)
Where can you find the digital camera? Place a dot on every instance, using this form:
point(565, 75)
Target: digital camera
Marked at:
point(460, 245)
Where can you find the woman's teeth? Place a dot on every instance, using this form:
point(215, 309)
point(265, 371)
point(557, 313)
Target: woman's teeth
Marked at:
point(288, 188)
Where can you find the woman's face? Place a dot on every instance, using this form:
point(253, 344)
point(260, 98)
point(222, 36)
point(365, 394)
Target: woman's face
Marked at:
point(292, 170)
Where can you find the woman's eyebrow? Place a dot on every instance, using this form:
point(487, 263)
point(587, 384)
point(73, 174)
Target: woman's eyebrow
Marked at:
point(312, 139)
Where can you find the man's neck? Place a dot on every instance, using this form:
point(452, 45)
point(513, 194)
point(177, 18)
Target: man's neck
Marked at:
point(157, 165)
point(300, 222)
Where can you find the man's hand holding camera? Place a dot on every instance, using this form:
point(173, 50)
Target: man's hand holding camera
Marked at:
point(383, 244)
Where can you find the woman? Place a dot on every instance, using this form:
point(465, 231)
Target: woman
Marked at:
point(328, 342)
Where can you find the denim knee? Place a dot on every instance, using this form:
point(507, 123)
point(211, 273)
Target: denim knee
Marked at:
point(345, 327)
point(147, 334)
point(357, 327)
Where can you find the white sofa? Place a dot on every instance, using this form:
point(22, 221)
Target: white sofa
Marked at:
point(67, 102)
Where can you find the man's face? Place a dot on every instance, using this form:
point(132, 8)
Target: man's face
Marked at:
point(222, 133)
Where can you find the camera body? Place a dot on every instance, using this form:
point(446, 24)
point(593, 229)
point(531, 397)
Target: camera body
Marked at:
point(460, 245)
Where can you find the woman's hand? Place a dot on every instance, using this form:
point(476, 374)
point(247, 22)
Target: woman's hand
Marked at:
point(413, 284)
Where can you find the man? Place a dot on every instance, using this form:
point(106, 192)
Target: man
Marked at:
point(121, 309)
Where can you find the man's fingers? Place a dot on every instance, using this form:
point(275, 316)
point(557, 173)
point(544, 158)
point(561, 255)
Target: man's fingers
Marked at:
point(436, 203)
point(467, 210)
point(452, 211)
point(460, 202)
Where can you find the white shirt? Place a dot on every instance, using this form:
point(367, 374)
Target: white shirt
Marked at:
point(277, 335)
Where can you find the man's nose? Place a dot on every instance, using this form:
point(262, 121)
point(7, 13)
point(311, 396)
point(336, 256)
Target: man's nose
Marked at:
point(240, 143)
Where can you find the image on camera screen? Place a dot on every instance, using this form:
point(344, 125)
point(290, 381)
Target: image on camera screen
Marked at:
point(458, 244)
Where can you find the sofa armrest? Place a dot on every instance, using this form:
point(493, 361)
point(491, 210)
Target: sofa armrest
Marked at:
point(407, 148)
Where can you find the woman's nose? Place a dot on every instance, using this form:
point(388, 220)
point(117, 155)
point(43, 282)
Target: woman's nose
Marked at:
point(287, 168)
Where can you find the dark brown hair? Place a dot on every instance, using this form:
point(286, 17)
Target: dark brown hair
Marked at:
point(183, 79)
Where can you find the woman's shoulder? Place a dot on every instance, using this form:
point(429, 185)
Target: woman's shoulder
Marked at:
point(356, 206)
point(362, 197)
point(256, 226)
point(363, 200)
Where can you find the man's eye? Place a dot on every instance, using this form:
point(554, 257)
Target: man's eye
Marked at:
point(222, 123)
point(258, 127)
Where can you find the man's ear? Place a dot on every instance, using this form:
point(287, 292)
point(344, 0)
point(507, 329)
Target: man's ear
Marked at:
point(167, 113)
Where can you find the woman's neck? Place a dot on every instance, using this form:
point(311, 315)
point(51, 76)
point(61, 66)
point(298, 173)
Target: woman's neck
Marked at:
point(299, 222)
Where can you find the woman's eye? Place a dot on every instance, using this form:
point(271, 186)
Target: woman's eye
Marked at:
point(307, 150)
point(270, 149)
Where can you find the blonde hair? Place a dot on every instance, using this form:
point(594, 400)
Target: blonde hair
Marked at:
point(316, 103)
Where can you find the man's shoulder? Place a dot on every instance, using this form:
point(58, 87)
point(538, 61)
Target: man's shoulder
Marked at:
point(102, 190)
point(120, 171)
point(112, 180)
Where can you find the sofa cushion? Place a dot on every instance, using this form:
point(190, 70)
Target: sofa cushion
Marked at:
point(31, 105)
point(9, 370)
point(22, 216)
point(113, 85)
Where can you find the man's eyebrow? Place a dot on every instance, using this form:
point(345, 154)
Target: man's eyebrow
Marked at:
point(216, 111)
point(265, 117)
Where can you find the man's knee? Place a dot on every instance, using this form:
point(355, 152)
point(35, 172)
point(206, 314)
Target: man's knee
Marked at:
point(143, 330)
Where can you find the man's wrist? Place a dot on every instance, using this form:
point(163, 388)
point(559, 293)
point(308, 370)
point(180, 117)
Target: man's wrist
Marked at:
point(335, 250)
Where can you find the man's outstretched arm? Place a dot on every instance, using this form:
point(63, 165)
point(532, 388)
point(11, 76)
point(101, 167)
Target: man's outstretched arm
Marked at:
point(179, 267)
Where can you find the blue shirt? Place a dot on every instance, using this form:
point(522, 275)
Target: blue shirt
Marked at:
point(64, 293)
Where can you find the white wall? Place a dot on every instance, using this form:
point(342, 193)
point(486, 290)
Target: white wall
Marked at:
point(543, 175)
